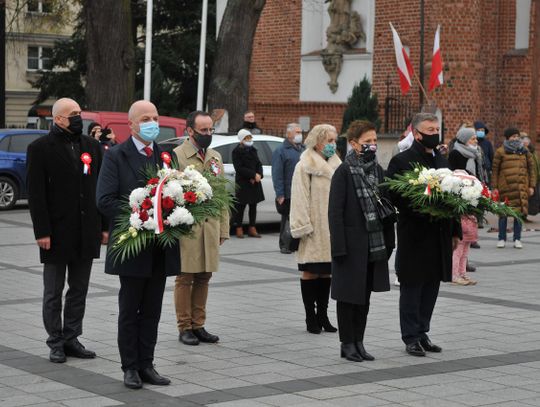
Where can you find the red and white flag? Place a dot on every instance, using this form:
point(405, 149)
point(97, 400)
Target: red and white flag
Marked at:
point(405, 68)
point(436, 78)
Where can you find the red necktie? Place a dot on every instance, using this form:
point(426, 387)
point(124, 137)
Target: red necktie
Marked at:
point(201, 153)
point(148, 151)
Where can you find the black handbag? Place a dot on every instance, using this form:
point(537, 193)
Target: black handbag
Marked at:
point(290, 243)
point(385, 209)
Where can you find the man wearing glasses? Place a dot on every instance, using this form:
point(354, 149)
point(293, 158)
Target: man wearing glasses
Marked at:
point(62, 175)
point(200, 255)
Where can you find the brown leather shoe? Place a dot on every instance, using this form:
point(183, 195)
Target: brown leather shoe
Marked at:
point(240, 233)
point(252, 232)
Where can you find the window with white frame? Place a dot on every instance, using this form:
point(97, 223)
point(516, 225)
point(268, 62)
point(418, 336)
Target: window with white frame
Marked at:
point(39, 6)
point(39, 58)
point(523, 21)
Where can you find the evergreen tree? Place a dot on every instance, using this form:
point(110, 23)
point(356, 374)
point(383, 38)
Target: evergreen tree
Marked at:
point(175, 55)
point(362, 105)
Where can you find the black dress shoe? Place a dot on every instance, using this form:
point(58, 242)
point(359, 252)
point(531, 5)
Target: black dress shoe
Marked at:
point(150, 376)
point(285, 251)
point(187, 338)
point(349, 352)
point(57, 355)
point(77, 350)
point(470, 268)
point(205, 336)
point(430, 346)
point(415, 349)
point(475, 245)
point(132, 380)
point(362, 351)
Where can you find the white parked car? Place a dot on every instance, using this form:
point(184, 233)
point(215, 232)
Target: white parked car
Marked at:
point(265, 145)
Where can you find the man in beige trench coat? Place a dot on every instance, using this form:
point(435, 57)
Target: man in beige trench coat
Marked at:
point(200, 254)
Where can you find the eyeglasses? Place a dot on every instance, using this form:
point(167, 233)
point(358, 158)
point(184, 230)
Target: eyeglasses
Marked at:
point(208, 131)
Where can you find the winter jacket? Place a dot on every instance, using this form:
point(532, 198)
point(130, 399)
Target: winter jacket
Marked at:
point(309, 206)
point(284, 159)
point(513, 175)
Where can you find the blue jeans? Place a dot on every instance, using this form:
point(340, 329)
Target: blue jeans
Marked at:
point(503, 222)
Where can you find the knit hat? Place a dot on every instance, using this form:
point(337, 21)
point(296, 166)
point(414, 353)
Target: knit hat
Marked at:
point(510, 131)
point(91, 127)
point(480, 125)
point(242, 134)
point(465, 134)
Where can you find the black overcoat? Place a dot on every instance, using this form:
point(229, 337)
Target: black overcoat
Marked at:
point(121, 174)
point(349, 242)
point(62, 200)
point(246, 164)
point(424, 245)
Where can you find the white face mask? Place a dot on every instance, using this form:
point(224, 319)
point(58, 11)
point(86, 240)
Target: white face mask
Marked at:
point(298, 138)
point(248, 143)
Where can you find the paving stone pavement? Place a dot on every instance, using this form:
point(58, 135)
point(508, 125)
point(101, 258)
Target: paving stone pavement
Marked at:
point(490, 334)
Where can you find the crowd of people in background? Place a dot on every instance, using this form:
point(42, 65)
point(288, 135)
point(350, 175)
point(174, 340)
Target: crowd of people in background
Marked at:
point(341, 223)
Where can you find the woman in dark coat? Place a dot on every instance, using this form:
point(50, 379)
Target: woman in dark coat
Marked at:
point(361, 243)
point(249, 173)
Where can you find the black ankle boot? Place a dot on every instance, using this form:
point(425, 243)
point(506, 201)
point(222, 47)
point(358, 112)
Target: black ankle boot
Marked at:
point(309, 295)
point(349, 352)
point(323, 293)
point(362, 351)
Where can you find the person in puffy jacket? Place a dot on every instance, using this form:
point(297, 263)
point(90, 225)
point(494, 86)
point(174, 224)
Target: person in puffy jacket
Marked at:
point(514, 179)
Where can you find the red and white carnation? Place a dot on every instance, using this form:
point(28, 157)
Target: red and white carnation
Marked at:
point(177, 190)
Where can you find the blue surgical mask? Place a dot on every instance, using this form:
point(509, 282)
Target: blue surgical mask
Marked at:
point(149, 131)
point(480, 133)
point(298, 139)
point(329, 150)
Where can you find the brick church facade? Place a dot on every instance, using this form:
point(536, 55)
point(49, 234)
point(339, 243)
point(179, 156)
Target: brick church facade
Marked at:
point(489, 48)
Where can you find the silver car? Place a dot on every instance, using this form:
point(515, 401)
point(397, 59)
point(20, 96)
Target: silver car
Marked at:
point(265, 145)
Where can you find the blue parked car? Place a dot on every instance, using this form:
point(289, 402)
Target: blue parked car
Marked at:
point(13, 145)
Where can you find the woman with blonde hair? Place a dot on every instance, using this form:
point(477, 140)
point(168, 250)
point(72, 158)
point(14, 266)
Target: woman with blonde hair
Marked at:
point(310, 193)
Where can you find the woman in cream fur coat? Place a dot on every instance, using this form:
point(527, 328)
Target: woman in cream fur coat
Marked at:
point(309, 221)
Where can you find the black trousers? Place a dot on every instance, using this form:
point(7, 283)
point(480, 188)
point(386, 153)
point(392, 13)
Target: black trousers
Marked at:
point(139, 302)
point(284, 209)
point(54, 277)
point(239, 214)
point(352, 318)
point(416, 304)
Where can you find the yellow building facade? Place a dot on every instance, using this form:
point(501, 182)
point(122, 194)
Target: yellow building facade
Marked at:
point(32, 28)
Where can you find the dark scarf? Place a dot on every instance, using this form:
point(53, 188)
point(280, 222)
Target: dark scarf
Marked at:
point(64, 134)
point(365, 180)
point(514, 147)
point(250, 125)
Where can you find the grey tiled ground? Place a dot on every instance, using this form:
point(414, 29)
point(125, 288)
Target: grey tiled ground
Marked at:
point(490, 334)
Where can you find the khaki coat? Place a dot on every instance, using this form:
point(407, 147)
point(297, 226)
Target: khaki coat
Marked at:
point(200, 253)
point(310, 192)
point(513, 175)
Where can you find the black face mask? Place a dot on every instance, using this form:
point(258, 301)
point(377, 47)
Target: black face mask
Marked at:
point(429, 140)
point(202, 140)
point(75, 124)
point(250, 125)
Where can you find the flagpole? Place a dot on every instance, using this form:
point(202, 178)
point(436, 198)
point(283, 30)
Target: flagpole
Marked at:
point(148, 52)
point(422, 88)
point(202, 56)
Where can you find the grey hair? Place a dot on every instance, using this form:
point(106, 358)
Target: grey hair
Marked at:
point(318, 134)
point(291, 127)
point(423, 117)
